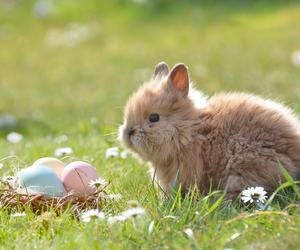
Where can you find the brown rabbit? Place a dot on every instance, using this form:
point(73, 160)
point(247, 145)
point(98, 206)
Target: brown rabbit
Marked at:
point(229, 141)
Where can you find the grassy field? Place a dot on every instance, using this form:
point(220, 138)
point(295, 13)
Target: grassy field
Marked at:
point(67, 68)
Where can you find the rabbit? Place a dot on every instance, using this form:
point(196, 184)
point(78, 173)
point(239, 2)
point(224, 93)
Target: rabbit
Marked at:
point(229, 141)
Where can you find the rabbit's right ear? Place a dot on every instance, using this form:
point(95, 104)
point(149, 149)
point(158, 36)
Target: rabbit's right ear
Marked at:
point(161, 69)
point(178, 79)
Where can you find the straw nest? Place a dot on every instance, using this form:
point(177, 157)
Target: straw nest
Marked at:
point(12, 199)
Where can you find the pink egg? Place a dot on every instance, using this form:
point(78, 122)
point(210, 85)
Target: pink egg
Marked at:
point(76, 177)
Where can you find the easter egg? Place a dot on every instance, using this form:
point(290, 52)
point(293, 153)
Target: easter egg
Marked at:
point(56, 165)
point(40, 179)
point(76, 177)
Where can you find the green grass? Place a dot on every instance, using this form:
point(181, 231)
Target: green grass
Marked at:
point(81, 90)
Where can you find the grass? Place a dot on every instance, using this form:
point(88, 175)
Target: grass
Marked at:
point(81, 90)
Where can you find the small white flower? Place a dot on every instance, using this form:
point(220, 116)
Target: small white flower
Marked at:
point(296, 58)
point(254, 194)
point(234, 236)
point(14, 137)
point(133, 203)
point(189, 232)
point(115, 197)
point(1, 165)
point(11, 180)
point(71, 35)
point(124, 155)
point(92, 215)
point(98, 183)
point(127, 214)
point(112, 152)
point(8, 178)
point(114, 219)
point(133, 212)
point(63, 151)
point(18, 214)
point(61, 139)
point(151, 227)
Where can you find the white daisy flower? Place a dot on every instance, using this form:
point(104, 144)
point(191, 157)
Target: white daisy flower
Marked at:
point(115, 197)
point(112, 152)
point(98, 183)
point(113, 219)
point(61, 139)
point(124, 155)
point(133, 212)
point(127, 214)
point(92, 215)
point(59, 152)
point(295, 58)
point(11, 180)
point(18, 214)
point(254, 194)
point(189, 232)
point(151, 227)
point(14, 137)
point(133, 203)
point(71, 35)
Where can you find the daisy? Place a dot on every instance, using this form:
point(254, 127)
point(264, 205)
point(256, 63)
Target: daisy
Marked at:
point(63, 151)
point(14, 137)
point(151, 227)
point(112, 152)
point(61, 139)
point(133, 203)
point(124, 155)
point(128, 214)
point(115, 197)
point(98, 183)
point(113, 219)
point(18, 214)
point(10, 180)
point(189, 232)
point(254, 194)
point(133, 212)
point(92, 215)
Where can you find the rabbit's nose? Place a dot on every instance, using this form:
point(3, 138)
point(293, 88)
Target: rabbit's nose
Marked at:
point(131, 132)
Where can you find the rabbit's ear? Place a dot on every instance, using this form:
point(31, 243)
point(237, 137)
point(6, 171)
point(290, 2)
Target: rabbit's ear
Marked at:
point(161, 69)
point(179, 78)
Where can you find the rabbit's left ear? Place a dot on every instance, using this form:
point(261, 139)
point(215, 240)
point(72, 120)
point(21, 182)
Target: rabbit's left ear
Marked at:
point(161, 70)
point(178, 79)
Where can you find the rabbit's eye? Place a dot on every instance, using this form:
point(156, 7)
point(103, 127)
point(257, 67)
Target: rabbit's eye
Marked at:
point(154, 117)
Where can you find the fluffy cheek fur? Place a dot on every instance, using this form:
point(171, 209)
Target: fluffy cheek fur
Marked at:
point(150, 140)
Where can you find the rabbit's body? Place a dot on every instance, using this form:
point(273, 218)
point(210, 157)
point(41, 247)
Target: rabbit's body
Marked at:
point(232, 141)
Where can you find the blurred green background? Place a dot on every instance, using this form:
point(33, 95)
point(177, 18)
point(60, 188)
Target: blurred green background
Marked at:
point(67, 64)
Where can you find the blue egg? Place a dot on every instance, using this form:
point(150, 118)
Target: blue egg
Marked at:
point(41, 179)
